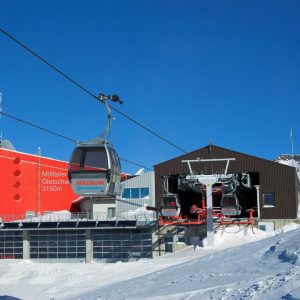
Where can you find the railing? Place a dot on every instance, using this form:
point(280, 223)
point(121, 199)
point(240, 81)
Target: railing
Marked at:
point(68, 216)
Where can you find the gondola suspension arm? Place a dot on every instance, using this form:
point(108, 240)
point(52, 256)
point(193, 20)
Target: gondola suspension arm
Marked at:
point(103, 98)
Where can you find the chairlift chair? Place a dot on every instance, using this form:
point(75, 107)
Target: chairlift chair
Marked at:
point(230, 205)
point(94, 167)
point(245, 180)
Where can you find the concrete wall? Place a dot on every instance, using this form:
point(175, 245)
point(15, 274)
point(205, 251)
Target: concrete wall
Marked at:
point(97, 207)
point(168, 239)
point(100, 207)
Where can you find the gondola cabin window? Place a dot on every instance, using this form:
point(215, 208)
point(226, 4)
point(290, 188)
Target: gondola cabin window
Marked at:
point(269, 200)
point(89, 159)
point(95, 160)
point(76, 159)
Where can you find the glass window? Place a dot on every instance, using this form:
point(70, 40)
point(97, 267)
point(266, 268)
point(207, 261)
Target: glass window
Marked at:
point(262, 227)
point(90, 159)
point(135, 193)
point(107, 243)
point(112, 156)
point(29, 214)
point(126, 193)
point(71, 255)
point(95, 159)
point(81, 249)
point(75, 160)
point(144, 192)
point(71, 243)
point(97, 255)
point(229, 201)
point(114, 159)
point(269, 199)
point(80, 243)
point(107, 255)
point(111, 212)
point(118, 161)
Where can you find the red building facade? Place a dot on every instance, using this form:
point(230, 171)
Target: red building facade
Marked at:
point(32, 185)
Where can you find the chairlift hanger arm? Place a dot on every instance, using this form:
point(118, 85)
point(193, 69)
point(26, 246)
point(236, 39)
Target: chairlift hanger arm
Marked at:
point(189, 161)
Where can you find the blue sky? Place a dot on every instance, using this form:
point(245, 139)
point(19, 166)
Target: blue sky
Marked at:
point(189, 70)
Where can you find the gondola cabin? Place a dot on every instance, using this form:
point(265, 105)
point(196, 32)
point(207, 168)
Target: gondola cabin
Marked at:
point(230, 205)
point(95, 170)
point(170, 206)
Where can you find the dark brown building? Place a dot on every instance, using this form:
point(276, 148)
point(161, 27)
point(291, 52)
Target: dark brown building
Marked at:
point(278, 184)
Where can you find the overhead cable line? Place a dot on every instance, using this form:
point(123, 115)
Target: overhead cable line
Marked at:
point(86, 90)
point(60, 135)
point(38, 127)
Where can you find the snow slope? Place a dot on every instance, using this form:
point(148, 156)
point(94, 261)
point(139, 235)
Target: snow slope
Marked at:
point(240, 266)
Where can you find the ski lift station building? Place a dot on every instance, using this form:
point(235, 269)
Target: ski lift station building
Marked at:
point(126, 231)
point(277, 185)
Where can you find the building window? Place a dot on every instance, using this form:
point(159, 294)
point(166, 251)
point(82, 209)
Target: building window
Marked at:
point(136, 193)
point(121, 244)
point(145, 192)
point(111, 212)
point(11, 244)
point(29, 214)
point(262, 227)
point(57, 244)
point(269, 199)
point(126, 193)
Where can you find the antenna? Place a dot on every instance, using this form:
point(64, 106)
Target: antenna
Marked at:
point(292, 145)
point(39, 153)
point(0, 104)
point(209, 144)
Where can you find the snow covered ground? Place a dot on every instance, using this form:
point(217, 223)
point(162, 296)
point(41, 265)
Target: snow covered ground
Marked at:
point(240, 266)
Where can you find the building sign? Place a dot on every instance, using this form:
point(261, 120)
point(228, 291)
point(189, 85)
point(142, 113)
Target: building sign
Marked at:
point(53, 181)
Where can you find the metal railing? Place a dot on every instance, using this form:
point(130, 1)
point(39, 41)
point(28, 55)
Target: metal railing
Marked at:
point(68, 216)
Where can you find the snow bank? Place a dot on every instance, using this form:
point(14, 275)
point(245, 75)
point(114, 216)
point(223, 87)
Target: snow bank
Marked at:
point(138, 214)
point(236, 235)
point(242, 265)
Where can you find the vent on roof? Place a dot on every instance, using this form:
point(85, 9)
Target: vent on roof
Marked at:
point(6, 144)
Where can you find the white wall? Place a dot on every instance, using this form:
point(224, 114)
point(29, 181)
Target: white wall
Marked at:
point(145, 180)
point(98, 208)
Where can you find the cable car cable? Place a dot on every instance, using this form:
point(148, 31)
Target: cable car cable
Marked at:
point(38, 127)
point(61, 136)
point(86, 90)
point(47, 63)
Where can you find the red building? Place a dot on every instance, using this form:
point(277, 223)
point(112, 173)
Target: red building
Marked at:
point(32, 185)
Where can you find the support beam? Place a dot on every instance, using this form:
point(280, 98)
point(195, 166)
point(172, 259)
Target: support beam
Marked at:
point(26, 245)
point(258, 201)
point(210, 221)
point(88, 246)
point(209, 181)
